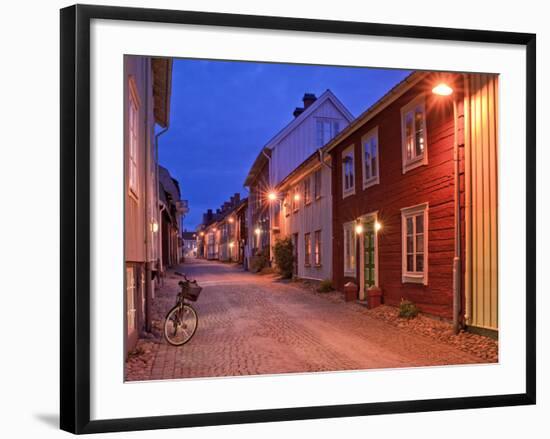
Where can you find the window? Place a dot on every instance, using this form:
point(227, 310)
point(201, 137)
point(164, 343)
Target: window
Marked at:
point(276, 213)
point(130, 299)
point(287, 204)
point(318, 182)
point(415, 243)
point(307, 190)
point(317, 249)
point(349, 249)
point(413, 133)
point(133, 138)
point(307, 248)
point(348, 171)
point(370, 158)
point(326, 130)
point(296, 199)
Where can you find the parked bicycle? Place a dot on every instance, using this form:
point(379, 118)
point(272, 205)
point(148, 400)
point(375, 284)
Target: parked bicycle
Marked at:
point(182, 320)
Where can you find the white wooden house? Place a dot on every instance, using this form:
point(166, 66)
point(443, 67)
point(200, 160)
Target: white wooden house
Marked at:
point(314, 125)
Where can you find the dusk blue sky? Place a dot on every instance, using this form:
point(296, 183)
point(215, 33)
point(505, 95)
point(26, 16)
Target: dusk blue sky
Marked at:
point(223, 112)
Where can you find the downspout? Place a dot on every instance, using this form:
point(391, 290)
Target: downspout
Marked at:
point(159, 219)
point(457, 266)
point(467, 205)
point(322, 158)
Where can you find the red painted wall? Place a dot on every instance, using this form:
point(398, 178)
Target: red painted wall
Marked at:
point(432, 183)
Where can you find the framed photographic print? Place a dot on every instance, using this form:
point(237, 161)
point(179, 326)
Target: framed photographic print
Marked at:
point(273, 218)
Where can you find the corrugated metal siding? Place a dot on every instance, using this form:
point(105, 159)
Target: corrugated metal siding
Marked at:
point(481, 171)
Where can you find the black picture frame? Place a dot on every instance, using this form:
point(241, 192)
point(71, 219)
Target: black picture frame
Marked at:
point(75, 217)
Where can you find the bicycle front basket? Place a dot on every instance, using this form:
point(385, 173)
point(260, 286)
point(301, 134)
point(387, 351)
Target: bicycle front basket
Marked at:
point(192, 292)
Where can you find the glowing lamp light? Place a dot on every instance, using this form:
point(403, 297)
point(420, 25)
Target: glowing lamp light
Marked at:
point(296, 197)
point(377, 226)
point(358, 229)
point(155, 227)
point(231, 220)
point(202, 233)
point(231, 244)
point(442, 90)
point(257, 231)
point(272, 196)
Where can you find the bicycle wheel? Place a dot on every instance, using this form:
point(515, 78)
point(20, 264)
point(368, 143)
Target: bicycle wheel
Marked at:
point(180, 324)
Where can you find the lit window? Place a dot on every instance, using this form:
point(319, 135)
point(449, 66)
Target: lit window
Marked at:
point(413, 132)
point(307, 246)
point(133, 138)
point(296, 199)
point(370, 159)
point(414, 231)
point(349, 248)
point(326, 130)
point(317, 248)
point(348, 171)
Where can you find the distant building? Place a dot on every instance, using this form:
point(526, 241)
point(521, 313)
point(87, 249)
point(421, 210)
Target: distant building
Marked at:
point(147, 88)
point(222, 235)
point(189, 244)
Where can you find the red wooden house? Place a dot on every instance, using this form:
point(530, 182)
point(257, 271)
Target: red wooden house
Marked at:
point(414, 182)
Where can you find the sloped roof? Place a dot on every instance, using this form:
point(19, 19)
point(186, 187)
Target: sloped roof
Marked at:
point(292, 125)
point(162, 89)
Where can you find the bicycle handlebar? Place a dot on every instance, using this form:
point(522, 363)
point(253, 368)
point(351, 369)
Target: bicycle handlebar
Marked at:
point(184, 276)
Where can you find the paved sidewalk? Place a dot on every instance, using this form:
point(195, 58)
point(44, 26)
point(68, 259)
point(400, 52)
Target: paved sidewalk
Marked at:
point(251, 324)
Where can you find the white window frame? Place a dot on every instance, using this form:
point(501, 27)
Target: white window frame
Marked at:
point(373, 179)
point(408, 212)
point(346, 192)
point(320, 131)
point(420, 160)
point(296, 203)
point(317, 248)
point(318, 178)
point(133, 138)
point(130, 300)
point(307, 190)
point(349, 267)
point(307, 249)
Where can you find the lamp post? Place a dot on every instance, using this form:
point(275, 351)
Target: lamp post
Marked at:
point(443, 89)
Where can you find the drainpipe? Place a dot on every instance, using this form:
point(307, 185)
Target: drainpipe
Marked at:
point(322, 158)
point(147, 208)
point(457, 266)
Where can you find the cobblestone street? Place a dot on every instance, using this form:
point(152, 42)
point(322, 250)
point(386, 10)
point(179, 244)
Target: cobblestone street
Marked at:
point(254, 324)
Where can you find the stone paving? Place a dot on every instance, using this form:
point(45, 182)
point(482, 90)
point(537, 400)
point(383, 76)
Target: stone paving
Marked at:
point(252, 324)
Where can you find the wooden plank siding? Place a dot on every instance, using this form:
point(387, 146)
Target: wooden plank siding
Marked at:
point(481, 172)
point(432, 183)
point(315, 216)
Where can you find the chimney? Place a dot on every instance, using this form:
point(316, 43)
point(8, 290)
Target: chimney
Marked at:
point(297, 111)
point(309, 98)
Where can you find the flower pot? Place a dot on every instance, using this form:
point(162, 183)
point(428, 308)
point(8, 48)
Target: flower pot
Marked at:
point(350, 292)
point(374, 297)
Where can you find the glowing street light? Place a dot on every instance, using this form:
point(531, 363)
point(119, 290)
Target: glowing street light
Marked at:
point(377, 226)
point(202, 233)
point(231, 220)
point(296, 197)
point(442, 89)
point(231, 244)
point(272, 196)
point(359, 228)
point(257, 231)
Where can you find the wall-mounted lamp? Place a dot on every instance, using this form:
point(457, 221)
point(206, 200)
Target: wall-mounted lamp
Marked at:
point(377, 226)
point(155, 227)
point(358, 229)
point(442, 89)
point(257, 231)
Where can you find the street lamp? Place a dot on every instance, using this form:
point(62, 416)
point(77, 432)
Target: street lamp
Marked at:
point(443, 89)
point(257, 231)
point(272, 196)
